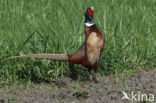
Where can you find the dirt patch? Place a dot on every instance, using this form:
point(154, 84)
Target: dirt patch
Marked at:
point(108, 90)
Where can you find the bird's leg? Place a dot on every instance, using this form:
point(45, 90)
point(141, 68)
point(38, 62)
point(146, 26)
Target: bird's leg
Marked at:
point(90, 76)
point(96, 71)
point(95, 78)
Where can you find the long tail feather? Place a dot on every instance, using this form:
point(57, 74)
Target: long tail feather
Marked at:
point(49, 56)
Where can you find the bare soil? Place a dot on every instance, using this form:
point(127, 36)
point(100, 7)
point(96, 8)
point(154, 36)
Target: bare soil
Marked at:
point(108, 90)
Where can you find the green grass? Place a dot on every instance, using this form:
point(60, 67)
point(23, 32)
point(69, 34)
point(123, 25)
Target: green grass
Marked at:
point(57, 26)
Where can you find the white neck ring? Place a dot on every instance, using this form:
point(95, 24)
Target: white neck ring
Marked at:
point(89, 24)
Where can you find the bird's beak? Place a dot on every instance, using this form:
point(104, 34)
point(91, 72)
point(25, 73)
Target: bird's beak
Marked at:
point(92, 8)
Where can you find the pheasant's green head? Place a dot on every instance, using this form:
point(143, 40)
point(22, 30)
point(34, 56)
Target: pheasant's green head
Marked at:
point(89, 15)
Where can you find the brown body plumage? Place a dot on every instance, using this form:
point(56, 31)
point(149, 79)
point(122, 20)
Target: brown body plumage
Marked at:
point(87, 55)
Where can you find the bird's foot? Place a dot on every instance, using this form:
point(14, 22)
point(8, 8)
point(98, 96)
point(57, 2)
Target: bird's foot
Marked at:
point(95, 80)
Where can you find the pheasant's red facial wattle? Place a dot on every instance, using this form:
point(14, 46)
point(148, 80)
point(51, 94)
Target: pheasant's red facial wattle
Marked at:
point(90, 11)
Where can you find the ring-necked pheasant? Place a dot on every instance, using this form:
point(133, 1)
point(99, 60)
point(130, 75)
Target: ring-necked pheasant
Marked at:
point(88, 54)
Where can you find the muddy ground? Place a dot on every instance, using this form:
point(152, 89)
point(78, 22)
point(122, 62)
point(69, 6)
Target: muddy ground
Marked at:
point(108, 90)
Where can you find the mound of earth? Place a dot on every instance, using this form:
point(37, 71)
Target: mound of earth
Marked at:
point(110, 89)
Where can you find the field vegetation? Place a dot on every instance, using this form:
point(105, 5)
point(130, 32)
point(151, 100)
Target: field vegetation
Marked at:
point(57, 26)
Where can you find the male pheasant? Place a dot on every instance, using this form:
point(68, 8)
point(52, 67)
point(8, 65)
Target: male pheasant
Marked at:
point(89, 52)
